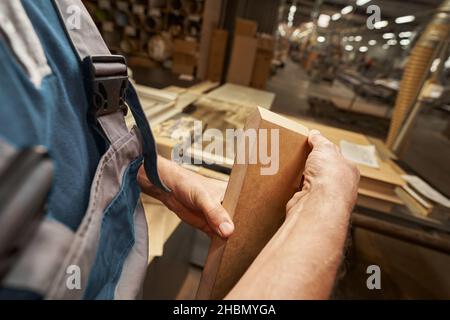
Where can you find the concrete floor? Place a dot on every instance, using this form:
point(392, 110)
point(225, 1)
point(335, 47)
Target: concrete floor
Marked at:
point(427, 153)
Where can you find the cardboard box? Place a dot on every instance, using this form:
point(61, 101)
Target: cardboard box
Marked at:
point(217, 55)
point(184, 63)
point(261, 69)
point(242, 60)
point(263, 61)
point(183, 69)
point(184, 57)
point(246, 28)
point(185, 46)
point(266, 42)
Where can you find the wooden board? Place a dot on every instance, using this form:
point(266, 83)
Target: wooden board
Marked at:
point(211, 18)
point(242, 60)
point(241, 95)
point(384, 174)
point(377, 185)
point(217, 55)
point(256, 204)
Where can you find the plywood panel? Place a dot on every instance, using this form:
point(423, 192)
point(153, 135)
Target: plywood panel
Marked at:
point(241, 95)
point(242, 60)
point(256, 204)
point(384, 174)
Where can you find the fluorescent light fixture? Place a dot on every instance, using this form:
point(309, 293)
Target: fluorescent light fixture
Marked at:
point(351, 38)
point(405, 34)
point(380, 24)
point(372, 42)
point(358, 38)
point(323, 21)
point(386, 46)
point(336, 16)
point(435, 65)
point(362, 2)
point(321, 39)
point(348, 47)
point(392, 42)
point(363, 49)
point(405, 42)
point(293, 9)
point(447, 63)
point(405, 19)
point(347, 10)
point(389, 35)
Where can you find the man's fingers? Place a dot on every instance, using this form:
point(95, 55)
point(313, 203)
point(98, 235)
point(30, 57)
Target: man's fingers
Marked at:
point(316, 139)
point(217, 217)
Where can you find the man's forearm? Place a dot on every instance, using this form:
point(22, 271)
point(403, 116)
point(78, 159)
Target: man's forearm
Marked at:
point(301, 260)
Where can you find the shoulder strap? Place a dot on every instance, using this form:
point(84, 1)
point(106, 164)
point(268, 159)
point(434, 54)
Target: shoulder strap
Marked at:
point(107, 82)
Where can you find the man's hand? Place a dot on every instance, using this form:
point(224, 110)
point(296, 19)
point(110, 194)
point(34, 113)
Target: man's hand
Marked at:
point(327, 175)
point(194, 198)
point(302, 258)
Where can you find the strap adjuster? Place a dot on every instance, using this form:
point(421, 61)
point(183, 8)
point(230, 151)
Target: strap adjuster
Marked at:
point(108, 81)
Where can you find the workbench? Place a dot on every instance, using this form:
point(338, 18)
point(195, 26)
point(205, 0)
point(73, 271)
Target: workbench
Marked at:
point(395, 222)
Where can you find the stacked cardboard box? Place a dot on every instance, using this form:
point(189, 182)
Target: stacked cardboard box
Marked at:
point(246, 28)
point(217, 55)
point(243, 53)
point(184, 57)
point(263, 61)
point(251, 55)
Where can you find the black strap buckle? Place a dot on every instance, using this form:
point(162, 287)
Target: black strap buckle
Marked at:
point(108, 77)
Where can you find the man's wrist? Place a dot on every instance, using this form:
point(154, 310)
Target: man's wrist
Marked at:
point(319, 200)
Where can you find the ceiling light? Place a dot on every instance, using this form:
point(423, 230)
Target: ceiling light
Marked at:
point(336, 16)
point(435, 65)
point(293, 9)
point(392, 42)
point(372, 42)
point(386, 46)
point(389, 35)
point(405, 19)
point(344, 38)
point(363, 49)
point(348, 47)
point(289, 23)
point(362, 2)
point(358, 38)
point(380, 24)
point(321, 39)
point(323, 21)
point(405, 42)
point(351, 38)
point(447, 63)
point(347, 10)
point(405, 34)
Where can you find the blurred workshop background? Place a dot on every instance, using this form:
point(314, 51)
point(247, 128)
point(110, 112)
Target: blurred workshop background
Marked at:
point(372, 76)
